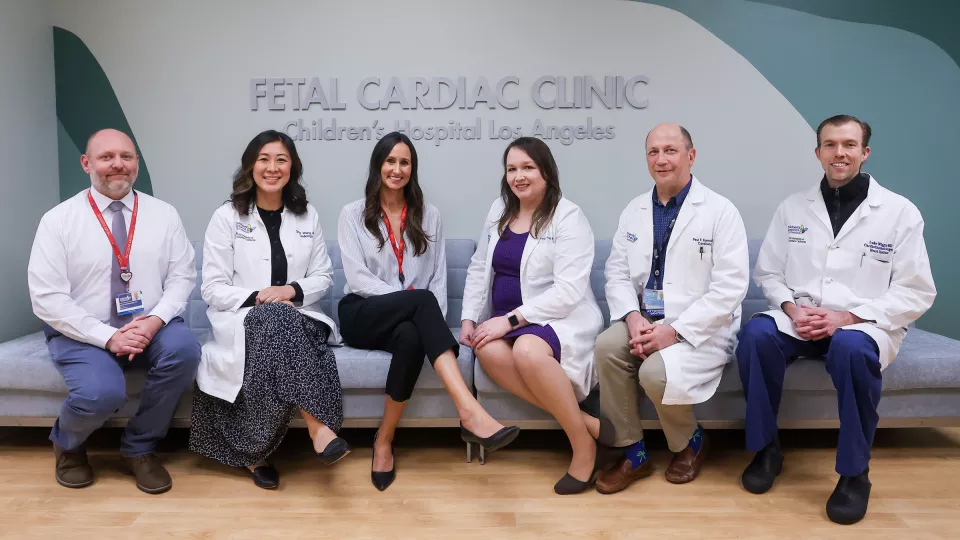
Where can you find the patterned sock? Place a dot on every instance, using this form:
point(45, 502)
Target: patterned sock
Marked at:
point(697, 439)
point(637, 454)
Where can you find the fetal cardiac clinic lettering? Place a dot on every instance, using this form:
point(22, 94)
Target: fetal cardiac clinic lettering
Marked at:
point(548, 93)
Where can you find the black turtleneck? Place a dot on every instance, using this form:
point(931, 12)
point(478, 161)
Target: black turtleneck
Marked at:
point(272, 220)
point(842, 202)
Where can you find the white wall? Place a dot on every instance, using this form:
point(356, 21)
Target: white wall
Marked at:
point(181, 72)
point(28, 150)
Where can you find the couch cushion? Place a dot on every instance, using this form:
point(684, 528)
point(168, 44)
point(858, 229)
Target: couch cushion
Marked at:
point(926, 361)
point(25, 364)
point(363, 369)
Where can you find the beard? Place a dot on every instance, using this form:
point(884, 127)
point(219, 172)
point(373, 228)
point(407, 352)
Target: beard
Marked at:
point(115, 189)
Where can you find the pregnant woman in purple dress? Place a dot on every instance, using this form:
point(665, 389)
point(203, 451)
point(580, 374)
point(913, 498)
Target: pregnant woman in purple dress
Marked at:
point(528, 287)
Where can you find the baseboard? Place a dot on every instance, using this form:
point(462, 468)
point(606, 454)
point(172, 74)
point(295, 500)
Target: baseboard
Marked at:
point(942, 421)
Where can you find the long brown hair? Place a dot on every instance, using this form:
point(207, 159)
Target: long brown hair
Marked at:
point(540, 153)
point(412, 194)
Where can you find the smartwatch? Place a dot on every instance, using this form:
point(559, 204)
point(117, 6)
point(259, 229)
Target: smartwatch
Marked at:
point(512, 319)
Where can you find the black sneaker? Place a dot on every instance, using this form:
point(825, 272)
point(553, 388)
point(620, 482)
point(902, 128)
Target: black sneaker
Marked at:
point(848, 503)
point(758, 477)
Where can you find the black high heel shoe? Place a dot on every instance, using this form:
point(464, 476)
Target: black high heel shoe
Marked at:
point(382, 480)
point(568, 485)
point(494, 442)
point(336, 450)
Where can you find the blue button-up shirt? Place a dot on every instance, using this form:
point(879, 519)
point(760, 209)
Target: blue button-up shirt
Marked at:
point(664, 216)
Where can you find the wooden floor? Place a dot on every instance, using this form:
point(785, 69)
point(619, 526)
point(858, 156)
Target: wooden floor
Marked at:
point(915, 474)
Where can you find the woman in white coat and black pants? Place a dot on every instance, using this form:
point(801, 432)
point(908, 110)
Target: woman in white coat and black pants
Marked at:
point(265, 269)
point(391, 243)
point(528, 310)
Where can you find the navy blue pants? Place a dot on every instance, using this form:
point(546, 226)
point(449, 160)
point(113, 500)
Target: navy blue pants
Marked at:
point(97, 387)
point(853, 362)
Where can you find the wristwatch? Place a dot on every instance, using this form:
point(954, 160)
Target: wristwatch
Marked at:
point(512, 319)
point(680, 337)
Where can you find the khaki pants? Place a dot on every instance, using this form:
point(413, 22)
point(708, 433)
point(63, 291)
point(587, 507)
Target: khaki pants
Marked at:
point(623, 380)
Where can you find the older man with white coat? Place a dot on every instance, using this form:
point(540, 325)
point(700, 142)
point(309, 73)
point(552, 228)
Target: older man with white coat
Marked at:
point(845, 268)
point(677, 273)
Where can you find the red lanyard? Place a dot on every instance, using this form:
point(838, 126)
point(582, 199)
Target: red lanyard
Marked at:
point(397, 247)
point(122, 258)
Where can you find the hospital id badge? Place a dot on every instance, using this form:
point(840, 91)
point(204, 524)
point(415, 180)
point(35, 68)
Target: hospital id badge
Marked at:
point(129, 303)
point(653, 302)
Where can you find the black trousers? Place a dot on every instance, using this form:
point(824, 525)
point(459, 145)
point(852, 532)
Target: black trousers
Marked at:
point(407, 324)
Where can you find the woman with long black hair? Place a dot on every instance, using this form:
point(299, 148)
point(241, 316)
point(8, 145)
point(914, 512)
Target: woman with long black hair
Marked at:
point(393, 255)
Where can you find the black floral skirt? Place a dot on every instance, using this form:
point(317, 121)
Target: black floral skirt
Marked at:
point(288, 367)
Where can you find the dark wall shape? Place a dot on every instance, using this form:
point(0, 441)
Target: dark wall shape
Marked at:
point(86, 103)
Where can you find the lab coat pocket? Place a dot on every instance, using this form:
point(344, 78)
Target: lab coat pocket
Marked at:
point(872, 277)
point(699, 263)
point(541, 262)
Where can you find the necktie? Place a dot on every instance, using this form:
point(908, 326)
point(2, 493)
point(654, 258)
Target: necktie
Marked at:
point(117, 285)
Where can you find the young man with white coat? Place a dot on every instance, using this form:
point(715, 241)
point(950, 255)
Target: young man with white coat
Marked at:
point(677, 273)
point(845, 268)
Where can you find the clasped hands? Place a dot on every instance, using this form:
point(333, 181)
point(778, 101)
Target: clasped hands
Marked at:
point(134, 337)
point(646, 337)
point(813, 323)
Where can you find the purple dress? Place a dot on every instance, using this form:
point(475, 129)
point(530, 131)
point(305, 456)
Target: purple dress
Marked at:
point(506, 288)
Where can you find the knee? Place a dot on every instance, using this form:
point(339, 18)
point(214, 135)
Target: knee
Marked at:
point(652, 377)
point(180, 352)
point(851, 347)
point(608, 342)
point(101, 398)
point(529, 355)
point(757, 329)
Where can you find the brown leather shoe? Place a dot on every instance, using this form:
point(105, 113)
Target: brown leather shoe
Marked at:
point(620, 477)
point(151, 476)
point(73, 470)
point(686, 465)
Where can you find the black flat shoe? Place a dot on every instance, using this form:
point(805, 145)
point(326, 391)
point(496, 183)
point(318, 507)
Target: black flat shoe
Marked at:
point(494, 442)
point(382, 480)
point(336, 450)
point(848, 503)
point(759, 476)
point(264, 476)
point(568, 485)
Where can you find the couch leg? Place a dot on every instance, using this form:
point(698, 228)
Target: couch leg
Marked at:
point(483, 456)
point(469, 453)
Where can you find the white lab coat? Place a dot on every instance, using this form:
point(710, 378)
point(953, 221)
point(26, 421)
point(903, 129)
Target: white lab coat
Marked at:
point(876, 267)
point(236, 262)
point(554, 286)
point(706, 276)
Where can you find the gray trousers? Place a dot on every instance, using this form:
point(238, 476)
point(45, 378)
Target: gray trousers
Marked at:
point(624, 378)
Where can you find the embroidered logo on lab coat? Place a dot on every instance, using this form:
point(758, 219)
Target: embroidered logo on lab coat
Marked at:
point(305, 234)
point(245, 228)
point(631, 237)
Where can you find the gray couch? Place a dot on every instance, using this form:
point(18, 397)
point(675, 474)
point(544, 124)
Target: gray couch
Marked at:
point(922, 387)
point(31, 389)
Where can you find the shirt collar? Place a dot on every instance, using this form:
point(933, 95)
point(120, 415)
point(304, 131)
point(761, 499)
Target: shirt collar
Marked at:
point(676, 199)
point(853, 189)
point(103, 201)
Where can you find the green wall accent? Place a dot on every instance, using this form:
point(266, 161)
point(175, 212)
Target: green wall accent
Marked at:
point(86, 103)
point(904, 84)
point(935, 20)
